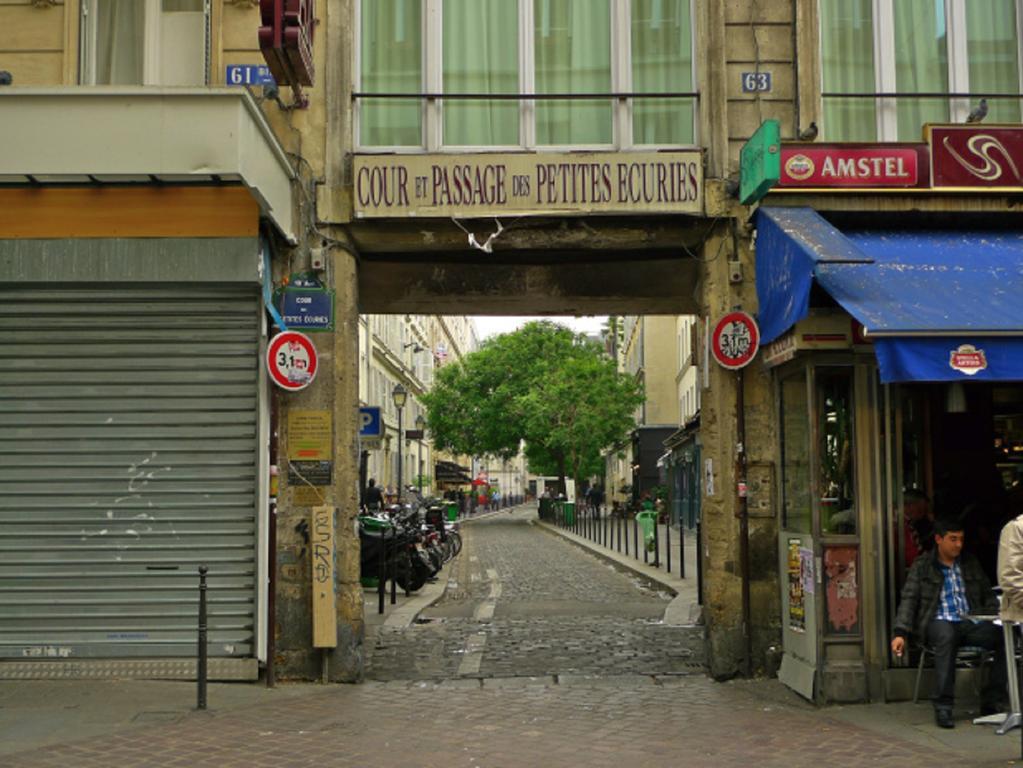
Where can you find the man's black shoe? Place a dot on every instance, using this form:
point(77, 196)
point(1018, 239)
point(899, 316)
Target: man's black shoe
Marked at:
point(943, 718)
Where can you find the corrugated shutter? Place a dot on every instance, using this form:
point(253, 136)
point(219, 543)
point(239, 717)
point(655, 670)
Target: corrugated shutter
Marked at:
point(128, 426)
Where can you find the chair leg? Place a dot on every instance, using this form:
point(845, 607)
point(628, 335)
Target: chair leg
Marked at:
point(978, 680)
point(919, 674)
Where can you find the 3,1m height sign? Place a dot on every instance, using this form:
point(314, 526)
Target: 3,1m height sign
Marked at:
point(291, 360)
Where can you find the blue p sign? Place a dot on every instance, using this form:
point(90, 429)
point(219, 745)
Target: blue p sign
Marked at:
point(370, 424)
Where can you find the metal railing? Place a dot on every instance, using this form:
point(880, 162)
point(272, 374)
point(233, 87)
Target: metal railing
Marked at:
point(588, 96)
point(610, 529)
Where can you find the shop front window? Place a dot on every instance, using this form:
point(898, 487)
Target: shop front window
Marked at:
point(835, 452)
point(908, 47)
point(795, 450)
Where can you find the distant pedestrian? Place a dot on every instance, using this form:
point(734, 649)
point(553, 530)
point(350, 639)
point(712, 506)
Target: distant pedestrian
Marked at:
point(374, 499)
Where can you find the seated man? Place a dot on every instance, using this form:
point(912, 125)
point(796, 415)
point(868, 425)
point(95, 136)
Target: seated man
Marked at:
point(943, 587)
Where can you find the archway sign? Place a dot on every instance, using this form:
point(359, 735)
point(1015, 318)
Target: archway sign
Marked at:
point(291, 360)
point(735, 340)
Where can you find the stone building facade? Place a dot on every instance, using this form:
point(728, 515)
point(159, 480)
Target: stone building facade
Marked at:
point(406, 203)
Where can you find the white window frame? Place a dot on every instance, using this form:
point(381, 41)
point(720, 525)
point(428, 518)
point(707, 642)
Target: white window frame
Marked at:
point(886, 113)
point(433, 82)
point(150, 44)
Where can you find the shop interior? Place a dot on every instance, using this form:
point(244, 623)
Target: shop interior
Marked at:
point(960, 455)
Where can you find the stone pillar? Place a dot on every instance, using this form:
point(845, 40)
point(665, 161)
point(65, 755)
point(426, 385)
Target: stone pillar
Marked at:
point(723, 291)
point(347, 662)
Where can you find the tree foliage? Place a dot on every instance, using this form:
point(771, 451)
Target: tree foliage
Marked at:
point(542, 384)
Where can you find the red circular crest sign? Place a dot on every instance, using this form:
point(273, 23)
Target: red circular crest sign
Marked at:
point(735, 340)
point(291, 360)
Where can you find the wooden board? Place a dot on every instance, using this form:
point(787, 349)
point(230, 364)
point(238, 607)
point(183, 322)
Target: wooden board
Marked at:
point(323, 558)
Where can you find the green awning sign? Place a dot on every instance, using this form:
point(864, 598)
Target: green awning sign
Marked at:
point(760, 162)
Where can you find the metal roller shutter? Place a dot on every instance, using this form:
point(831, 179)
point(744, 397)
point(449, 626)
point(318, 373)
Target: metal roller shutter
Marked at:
point(128, 434)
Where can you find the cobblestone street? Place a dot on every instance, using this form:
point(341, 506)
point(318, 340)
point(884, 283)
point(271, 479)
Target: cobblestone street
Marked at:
point(538, 654)
point(522, 602)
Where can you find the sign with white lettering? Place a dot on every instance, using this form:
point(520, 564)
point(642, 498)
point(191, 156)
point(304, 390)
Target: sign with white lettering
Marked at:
point(309, 310)
point(248, 74)
point(811, 165)
point(388, 186)
point(756, 82)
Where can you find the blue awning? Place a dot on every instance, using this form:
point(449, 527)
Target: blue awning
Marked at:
point(938, 305)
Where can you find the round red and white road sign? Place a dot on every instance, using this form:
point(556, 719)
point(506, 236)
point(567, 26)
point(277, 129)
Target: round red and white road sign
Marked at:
point(291, 360)
point(735, 340)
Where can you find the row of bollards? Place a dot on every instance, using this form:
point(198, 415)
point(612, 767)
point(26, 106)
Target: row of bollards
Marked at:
point(612, 531)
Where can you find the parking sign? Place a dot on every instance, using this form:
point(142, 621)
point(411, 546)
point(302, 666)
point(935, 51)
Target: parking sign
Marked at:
point(370, 423)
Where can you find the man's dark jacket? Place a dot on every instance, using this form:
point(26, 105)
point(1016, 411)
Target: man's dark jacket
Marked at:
point(922, 591)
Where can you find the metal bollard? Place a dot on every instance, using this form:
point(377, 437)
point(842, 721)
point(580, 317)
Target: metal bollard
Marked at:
point(657, 544)
point(618, 525)
point(625, 524)
point(667, 542)
point(382, 572)
point(682, 550)
point(201, 669)
point(635, 536)
point(394, 566)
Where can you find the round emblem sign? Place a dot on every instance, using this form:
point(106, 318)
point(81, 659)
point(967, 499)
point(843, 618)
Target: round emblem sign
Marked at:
point(291, 360)
point(735, 340)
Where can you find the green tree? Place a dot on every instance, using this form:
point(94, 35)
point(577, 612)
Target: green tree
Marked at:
point(542, 384)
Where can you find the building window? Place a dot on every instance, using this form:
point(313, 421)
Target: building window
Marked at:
point(970, 48)
point(144, 42)
point(474, 49)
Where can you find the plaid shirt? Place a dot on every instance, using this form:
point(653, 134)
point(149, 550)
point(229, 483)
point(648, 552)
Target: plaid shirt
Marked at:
point(953, 605)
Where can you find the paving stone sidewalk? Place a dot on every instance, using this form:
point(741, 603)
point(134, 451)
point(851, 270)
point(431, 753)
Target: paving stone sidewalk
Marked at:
point(505, 723)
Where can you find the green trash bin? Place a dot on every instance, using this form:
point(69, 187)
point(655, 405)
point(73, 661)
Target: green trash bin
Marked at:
point(647, 519)
point(452, 512)
point(569, 512)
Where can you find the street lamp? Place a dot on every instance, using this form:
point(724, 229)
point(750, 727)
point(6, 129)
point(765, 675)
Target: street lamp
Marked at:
point(399, 394)
point(420, 425)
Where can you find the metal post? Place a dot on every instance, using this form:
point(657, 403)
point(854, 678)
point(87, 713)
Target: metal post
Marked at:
point(635, 537)
point(625, 524)
point(201, 670)
point(382, 572)
point(681, 550)
point(699, 563)
point(401, 459)
point(743, 514)
point(618, 525)
point(667, 542)
point(657, 544)
point(394, 565)
point(271, 546)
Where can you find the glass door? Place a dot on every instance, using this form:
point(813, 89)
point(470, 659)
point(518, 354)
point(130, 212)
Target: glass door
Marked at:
point(796, 548)
point(819, 543)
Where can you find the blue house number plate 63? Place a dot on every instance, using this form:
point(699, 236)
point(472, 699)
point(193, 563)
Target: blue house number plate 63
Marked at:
point(756, 82)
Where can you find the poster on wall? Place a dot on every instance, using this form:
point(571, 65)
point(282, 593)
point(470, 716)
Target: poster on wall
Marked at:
point(842, 597)
point(797, 606)
point(806, 574)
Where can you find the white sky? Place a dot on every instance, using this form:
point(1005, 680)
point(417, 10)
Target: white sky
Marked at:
point(492, 326)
